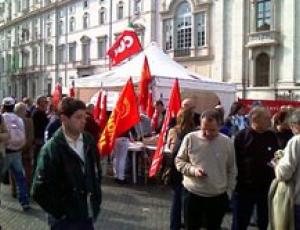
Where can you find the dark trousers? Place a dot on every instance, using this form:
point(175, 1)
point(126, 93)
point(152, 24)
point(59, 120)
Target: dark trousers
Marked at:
point(297, 217)
point(73, 225)
point(243, 206)
point(175, 218)
point(205, 212)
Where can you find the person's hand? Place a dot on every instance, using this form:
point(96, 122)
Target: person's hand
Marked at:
point(199, 172)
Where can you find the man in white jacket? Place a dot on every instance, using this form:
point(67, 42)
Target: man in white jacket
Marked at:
point(288, 167)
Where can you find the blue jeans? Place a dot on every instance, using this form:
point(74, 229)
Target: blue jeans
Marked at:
point(175, 218)
point(297, 217)
point(243, 206)
point(13, 161)
point(66, 224)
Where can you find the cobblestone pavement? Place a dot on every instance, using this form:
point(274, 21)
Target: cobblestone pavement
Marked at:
point(126, 207)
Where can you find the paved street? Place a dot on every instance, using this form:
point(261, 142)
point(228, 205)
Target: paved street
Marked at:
point(124, 208)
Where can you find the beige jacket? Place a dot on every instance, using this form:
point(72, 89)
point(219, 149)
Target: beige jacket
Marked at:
point(288, 167)
point(281, 206)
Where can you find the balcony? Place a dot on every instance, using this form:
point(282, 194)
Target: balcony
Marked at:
point(182, 52)
point(263, 38)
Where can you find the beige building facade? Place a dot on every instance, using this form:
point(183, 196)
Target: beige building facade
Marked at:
point(43, 42)
point(253, 43)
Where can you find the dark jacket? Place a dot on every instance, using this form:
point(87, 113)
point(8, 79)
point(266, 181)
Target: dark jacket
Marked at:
point(63, 183)
point(254, 151)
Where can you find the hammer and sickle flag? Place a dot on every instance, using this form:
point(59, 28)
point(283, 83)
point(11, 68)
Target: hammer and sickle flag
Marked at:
point(124, 116)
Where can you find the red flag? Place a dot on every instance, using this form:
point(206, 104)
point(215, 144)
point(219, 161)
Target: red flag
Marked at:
point(150, 108)
point(72, 90)
point(173, 108)
point(144, 85)
point(154, 120)
point(124, 116)
point(125, 46)
point(103, 115)
point(96, 111)
point(56, 95)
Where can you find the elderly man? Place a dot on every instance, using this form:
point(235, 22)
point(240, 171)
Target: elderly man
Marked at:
point(288, 168)
point(206, 160)
point(254, 147)
point(189, 103)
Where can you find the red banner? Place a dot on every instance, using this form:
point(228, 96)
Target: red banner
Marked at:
point(173, 108)
point(144, 85)
point(272, 105)
point(124, 116)
point(56, 96)
point(125, 46)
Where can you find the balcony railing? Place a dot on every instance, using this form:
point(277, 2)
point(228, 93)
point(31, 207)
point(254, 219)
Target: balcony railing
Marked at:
point(182, 52)
point(263, 38)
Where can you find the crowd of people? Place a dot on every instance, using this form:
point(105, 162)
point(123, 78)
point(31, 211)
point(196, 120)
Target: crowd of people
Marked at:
point(214, 165)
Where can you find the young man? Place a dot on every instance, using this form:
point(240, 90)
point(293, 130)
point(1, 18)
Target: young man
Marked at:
point(206, 159)
point(68, 174)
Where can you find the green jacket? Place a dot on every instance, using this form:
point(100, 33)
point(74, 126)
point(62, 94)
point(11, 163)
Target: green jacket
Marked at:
point(63, 184)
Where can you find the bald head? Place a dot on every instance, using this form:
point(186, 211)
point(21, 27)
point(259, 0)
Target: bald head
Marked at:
point(188, 103)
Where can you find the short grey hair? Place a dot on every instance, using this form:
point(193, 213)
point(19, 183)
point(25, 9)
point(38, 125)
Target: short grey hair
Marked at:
point(258, 111)
point(295, 117)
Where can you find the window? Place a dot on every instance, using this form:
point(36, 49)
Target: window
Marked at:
point(34, 56)
point(25, 59)
point(200, 27)
point(168, 29)
point(85, 4)
point(72, 24)
point(85, 20)
point(61, 13)
point(61, 54)
point(85, 53)
point(60, 27)
point(183, 26)
point(137, 6)
point(262, 71)
point(72, 52)
point(72, 9)
point(120, 9)
point(263, 15)
point(49, 30)
point(18, 6)
point(49, 54)
point(2, 64)
point(102, 15)
point(101, 48)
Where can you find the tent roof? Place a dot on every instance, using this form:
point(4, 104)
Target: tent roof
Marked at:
point(161, 66)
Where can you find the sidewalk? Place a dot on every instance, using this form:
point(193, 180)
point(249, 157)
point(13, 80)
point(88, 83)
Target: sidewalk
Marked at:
point(126, 207)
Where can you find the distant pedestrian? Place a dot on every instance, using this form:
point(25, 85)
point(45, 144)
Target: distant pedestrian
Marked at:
point(13, 148)
point(68, 175)
point(40, 122)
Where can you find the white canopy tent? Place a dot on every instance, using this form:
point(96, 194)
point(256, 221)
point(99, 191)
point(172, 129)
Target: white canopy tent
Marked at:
point(163, 70)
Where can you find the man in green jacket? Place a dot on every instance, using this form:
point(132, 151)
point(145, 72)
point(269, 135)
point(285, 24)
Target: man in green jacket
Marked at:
point(67, 179)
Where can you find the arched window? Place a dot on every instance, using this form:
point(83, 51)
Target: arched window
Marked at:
point(183, 26)
point(263, 15)
point(120, 9)
point(85, 20)
point(102, 16)
point(72, 24)
point(262, 70)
